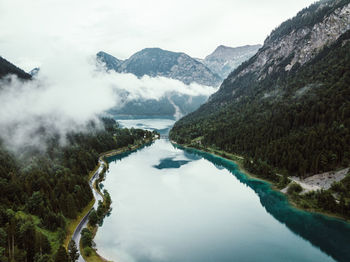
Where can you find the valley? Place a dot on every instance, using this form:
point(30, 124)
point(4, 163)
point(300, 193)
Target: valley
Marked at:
point(139, 201)
point(162, 132)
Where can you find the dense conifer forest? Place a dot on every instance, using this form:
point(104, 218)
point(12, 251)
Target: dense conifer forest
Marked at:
point(41, 191)
point(304, 128)
point(291, 122)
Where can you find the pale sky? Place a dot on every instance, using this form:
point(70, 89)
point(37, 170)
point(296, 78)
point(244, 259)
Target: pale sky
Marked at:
point(32, 30)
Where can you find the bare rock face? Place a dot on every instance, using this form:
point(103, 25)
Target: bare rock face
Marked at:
point(285, 49)
point(322, 34)
point(189, 70)
point(157, 62)
point(225, 59)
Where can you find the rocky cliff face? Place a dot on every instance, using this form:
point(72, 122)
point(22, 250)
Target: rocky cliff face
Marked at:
point(157, 62)
point(225, 59)
point(318, 26)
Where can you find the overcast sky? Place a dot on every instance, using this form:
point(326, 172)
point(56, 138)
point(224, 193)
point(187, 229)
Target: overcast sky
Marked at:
point(32, 30)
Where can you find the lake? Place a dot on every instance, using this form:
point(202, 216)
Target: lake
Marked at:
point(171, 204)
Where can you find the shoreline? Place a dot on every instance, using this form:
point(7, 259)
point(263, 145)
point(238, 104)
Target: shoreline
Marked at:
point(225, 155)
point(96, 175)
point(217, 153)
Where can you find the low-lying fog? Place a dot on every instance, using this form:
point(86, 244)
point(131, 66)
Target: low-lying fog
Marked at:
point(70, 90)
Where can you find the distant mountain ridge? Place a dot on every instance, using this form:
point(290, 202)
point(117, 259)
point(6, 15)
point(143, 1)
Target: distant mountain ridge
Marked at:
point(158, 62)
point(112, 63)
point(7, 68)
point(174, 104)
point(225, 59)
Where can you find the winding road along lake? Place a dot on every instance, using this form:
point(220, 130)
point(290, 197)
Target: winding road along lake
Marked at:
point(174, 205)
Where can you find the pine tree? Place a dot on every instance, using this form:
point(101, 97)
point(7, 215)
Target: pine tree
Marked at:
point(93, 218)
point(61, 255)
point(73, 251)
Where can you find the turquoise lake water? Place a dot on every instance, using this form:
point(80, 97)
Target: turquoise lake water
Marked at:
point(171, 204)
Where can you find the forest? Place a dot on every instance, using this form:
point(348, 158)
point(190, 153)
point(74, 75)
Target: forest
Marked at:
point(42, 191)
point(296, 123)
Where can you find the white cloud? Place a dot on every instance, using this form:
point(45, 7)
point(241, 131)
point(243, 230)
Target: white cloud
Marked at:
point(62, 37)
point(69, 91)
point(31, 30)
point(65, 96)
point(155, 88)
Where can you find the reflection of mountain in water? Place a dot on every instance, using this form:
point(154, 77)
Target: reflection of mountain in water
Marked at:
point(125, 154)
point(331, 235)
point(170, 163)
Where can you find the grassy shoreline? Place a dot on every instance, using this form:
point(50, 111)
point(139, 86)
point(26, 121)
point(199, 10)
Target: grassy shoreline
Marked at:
point(238, 160)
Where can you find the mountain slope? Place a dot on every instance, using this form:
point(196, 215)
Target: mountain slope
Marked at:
point(225, 59)
point(7, 68)
point(289, 104)
point(173, 104)
point(157, 62)
point(112, 63)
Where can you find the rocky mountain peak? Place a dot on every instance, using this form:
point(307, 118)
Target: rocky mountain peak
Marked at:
point(158, 62)
point(225, 59)
point(298, 40)
point(110, 61)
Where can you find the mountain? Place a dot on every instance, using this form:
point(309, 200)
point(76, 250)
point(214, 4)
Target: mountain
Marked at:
point(158, 62)
point(289, 105)
point(7, 68)
point(111, 62)
point(171, 105)
point(155, 62)
point(34, 72)
point(225, 59)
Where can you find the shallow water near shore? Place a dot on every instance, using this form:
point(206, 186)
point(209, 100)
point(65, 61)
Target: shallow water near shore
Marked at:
point(174, 204)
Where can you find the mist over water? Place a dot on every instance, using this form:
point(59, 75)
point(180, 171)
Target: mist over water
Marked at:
point(193, 209)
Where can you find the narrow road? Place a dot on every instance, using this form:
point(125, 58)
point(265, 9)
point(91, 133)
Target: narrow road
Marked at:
point(83, 223)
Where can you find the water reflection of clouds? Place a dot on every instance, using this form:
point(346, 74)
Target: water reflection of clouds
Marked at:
point(158, 212)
